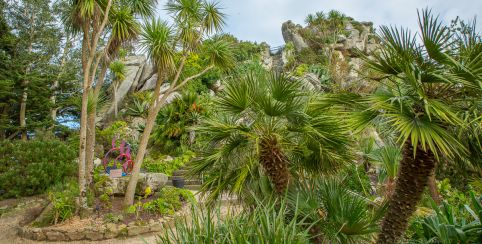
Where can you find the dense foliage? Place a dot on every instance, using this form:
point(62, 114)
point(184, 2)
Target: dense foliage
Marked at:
point(30, 168)
point(311, 154)
point(270, 222)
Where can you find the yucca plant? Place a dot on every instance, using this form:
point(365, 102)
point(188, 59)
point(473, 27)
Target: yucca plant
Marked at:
point(266, 127)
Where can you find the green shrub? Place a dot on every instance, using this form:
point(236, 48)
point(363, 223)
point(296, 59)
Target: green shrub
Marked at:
point(355, 178)
point(269, 222)
point(449, 224)
point(170, 200)
point(30, 168)
point(338, 214)
point(112, 218)
point(62, 198)
point(166, 167)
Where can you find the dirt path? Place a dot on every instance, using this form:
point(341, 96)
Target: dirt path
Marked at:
point(25, 208)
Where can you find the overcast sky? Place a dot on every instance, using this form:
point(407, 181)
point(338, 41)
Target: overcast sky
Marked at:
point(260, 20)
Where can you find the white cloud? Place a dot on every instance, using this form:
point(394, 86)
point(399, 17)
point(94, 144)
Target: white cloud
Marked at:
point(260, 20)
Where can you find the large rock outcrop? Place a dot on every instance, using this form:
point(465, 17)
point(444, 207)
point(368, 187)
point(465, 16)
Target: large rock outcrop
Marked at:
point(291, 33)
point(356, 38)
point(140, 76)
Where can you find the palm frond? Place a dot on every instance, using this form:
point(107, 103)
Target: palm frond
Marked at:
point(157, 40)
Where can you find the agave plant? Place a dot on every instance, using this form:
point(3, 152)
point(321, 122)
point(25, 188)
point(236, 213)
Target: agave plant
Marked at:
point(446, 226)
point(266, 127)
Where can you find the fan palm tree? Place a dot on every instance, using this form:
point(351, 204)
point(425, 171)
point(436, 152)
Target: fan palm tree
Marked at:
point(266, 129)
point(425, 85)
point(336, 214)
point(169, 47)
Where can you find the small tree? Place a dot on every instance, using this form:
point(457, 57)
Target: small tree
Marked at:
point(168, 48)
point(118, 70)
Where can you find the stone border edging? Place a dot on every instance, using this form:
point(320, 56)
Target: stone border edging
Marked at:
point(106, 231)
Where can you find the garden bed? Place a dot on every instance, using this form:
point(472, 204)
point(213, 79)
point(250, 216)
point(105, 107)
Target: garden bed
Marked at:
point(95, 229)
point(110, 219)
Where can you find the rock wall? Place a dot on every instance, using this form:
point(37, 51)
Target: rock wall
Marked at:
point(344, 54)
point(140, 76)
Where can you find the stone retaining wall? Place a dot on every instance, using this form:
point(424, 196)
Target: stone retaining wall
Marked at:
point(106, 231)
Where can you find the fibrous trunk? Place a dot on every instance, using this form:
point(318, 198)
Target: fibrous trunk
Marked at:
point(275, 163)
point(412, 178)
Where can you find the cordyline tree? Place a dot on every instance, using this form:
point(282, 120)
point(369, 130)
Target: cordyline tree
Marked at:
point(168, 48)
point(105, 25)
point(428, 87)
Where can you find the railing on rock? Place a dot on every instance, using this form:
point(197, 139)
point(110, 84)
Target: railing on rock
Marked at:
point(276, 50)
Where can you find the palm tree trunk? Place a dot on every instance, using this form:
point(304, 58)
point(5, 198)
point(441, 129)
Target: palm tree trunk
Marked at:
point(275, 163)
point(412, 178)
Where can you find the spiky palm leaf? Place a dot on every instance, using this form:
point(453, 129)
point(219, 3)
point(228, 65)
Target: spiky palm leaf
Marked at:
point(339, 216)
point(219, 52)
point(266, 127)
point(421, 101)
point(157, 40)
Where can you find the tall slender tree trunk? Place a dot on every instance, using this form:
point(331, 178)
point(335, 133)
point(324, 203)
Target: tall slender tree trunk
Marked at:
point(412, 178)
point(23, 109)
point(115, 98)
point(55, 85)
point(150, 121)
point(156, 105)
point(89, 48)
point(25, 83)
point(90, 147)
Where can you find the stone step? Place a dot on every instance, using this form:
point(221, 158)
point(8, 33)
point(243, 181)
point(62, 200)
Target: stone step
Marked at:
point(185, 178)
point(186, 182)
point(179, 172)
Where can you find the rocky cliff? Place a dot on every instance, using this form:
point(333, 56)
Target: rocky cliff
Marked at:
point(343, 50)
point(343, 53)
